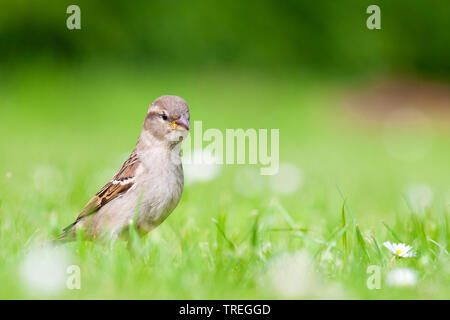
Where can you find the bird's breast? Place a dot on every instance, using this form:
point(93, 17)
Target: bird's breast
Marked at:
point(159, 187)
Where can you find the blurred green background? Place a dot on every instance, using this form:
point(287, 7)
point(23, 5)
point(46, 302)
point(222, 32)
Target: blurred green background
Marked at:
point(265, 35)
point(362, 112)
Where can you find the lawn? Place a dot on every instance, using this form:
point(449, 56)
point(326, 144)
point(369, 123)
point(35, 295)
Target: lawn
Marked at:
point(65, 131)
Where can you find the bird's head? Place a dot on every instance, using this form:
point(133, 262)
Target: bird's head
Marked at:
point(168, 119)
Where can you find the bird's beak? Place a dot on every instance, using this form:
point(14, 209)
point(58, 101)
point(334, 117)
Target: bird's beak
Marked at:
point(181, 124)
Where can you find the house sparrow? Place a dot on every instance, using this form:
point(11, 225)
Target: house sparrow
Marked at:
point(148, 186)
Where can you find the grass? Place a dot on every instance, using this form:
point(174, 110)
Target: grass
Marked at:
point(65, 132)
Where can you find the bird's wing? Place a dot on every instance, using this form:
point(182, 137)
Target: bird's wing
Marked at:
point(118, 185)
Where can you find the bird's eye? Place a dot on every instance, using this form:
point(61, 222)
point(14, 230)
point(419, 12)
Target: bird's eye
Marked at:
point(163, 116)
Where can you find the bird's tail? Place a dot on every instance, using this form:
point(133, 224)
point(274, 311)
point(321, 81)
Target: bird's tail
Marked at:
point(67, 235)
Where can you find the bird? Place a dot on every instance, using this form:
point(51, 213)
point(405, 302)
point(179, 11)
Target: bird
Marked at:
point(149, 184)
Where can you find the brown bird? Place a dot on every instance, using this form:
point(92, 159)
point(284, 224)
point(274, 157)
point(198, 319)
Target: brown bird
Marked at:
point(148, 186)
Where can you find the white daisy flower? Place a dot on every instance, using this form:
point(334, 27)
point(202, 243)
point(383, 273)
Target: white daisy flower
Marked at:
point(402, 277)
point(400, 249)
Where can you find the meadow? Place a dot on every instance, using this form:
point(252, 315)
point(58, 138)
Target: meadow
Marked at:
point(346, 185)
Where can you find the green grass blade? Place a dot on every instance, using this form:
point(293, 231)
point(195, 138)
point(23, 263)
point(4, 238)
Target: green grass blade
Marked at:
point(345, 203)
point(362, 244)
point(377, 248)
point(221, 230)
point(396, 237)
point(344, 235)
